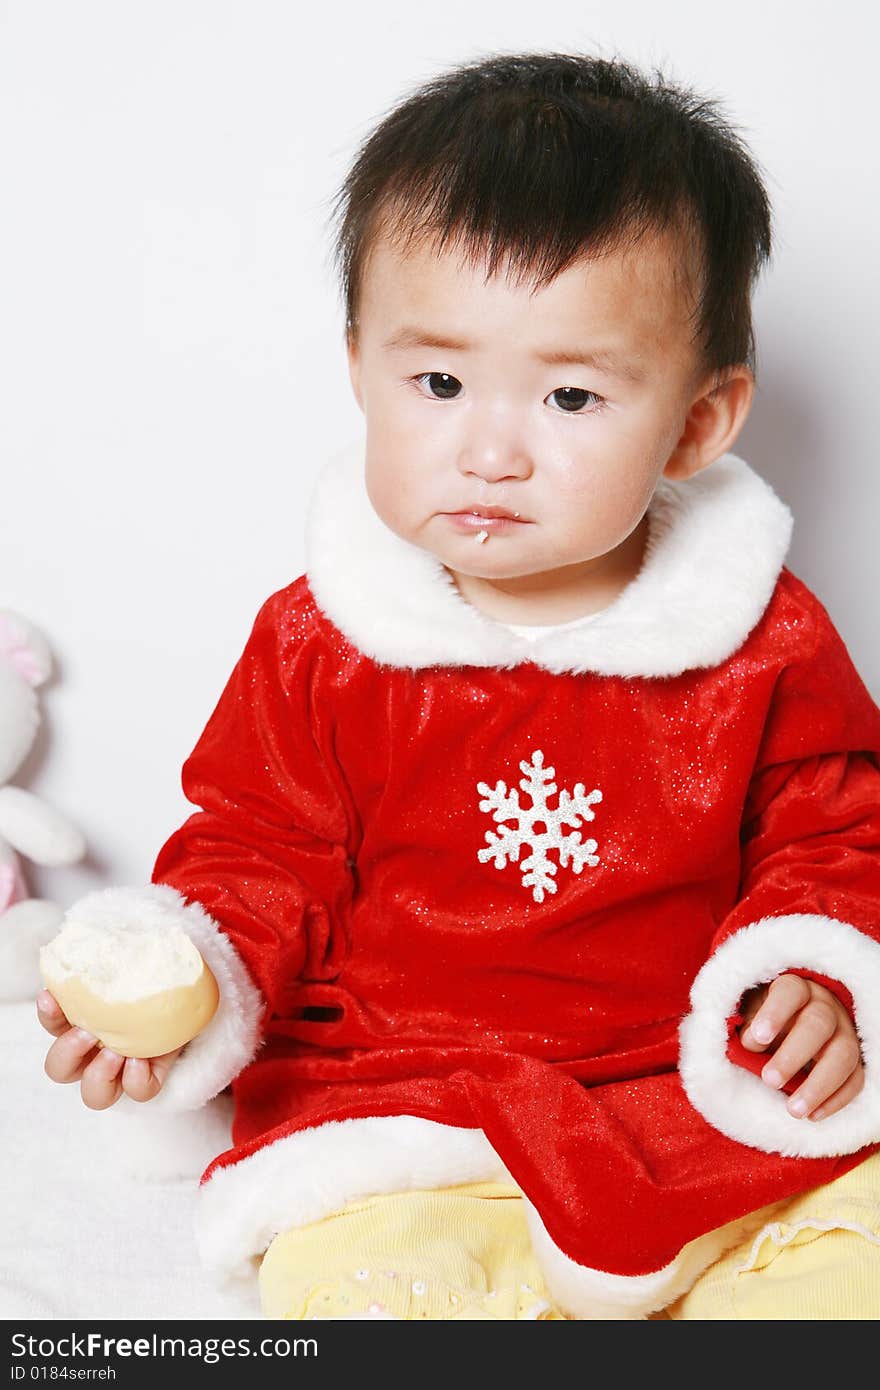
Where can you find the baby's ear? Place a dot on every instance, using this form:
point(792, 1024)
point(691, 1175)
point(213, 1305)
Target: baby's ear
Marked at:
point(713, 422)
point(683, 464)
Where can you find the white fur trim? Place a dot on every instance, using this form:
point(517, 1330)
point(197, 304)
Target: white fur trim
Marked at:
point(715, 547)
point(595, 1294)
point(739, 1103)
point(315, 1172)
point(224, 1048)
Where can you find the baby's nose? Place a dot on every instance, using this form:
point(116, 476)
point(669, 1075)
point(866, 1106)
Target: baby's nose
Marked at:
point(494, 462)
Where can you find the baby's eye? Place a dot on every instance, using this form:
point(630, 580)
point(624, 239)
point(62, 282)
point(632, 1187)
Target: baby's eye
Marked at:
point(442, 382)
point(443, 387)
point(573, 398)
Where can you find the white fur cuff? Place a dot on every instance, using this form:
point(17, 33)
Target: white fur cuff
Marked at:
point(217, 1055)
point(740, 1104)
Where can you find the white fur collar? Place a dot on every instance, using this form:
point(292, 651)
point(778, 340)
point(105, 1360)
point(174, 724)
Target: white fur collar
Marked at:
point(716, 544)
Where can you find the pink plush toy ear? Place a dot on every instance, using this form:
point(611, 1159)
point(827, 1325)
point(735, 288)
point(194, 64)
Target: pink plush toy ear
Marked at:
point(16, 649)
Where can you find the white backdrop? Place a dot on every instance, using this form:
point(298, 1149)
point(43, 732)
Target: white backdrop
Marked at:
point(173, 372)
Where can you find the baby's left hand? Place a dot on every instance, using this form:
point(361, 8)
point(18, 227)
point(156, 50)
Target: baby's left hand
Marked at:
point(805, 1023)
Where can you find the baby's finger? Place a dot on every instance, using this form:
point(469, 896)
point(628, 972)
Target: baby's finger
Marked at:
point(138, 1080)
point(835, 1066)
point(162, 1065)
point(815, 1025)
point(842, 1097)
point(142, 1078)
point(50, 1013)
point(100, 1085)
point(68, 1054)
point(786, 995)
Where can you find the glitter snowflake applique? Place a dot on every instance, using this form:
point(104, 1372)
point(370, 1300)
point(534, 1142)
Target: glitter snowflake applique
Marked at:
point(538, 872)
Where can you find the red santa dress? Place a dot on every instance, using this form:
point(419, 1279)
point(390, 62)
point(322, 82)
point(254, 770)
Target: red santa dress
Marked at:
point(483, 906)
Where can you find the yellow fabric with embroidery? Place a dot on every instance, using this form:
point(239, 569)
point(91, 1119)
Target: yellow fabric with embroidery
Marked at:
point(464, 1253)
point(450, 1253)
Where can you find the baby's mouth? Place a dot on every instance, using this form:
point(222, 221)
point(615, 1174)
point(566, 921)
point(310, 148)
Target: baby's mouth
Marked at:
point(491, 512)
point(492, 521)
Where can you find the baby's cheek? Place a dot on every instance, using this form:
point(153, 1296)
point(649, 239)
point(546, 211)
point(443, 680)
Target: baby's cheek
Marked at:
point(388, 502)
point(595, 521)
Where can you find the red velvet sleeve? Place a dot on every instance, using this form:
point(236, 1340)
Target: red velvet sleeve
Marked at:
point(809, 899)
point(268, 853)
point(811, 822)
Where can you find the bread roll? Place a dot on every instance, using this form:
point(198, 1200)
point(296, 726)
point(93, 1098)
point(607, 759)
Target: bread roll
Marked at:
point(141, 991)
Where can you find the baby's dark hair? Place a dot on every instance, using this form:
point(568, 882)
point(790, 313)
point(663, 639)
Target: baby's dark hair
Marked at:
point(541, 159)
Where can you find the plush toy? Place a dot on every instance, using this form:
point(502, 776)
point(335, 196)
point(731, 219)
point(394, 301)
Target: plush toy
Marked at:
point(28, 825)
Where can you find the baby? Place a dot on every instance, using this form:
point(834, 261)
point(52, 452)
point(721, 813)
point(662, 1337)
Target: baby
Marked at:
point(537, 855)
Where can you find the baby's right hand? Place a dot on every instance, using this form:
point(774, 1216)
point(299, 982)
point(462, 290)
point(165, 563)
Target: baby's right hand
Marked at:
point(103, 1075)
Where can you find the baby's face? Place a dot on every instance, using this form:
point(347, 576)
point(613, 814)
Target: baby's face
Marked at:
point(472, 416)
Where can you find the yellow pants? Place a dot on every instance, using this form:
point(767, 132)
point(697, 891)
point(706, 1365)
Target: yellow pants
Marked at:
point(465, 1253)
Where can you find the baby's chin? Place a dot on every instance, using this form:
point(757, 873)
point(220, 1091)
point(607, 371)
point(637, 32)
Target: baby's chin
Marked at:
point(498, 571)
point(492, 567)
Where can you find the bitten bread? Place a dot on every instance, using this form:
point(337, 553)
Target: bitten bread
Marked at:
point(142, 992)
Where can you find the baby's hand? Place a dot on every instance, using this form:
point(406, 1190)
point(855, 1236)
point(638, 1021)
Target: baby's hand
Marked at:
point(805, 1025)
point(103, 1075)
